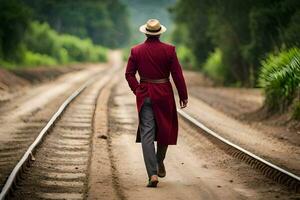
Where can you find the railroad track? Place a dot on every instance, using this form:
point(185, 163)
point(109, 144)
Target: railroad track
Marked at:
point(59, 156)
point(22, 120)
point(269, 169)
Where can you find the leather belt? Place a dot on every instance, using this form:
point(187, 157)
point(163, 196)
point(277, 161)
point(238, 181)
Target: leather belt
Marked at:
point(148, 80)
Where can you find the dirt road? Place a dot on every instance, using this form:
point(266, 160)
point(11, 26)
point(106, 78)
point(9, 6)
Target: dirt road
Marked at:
point(23, 117)
point(91, 152)
point(224, 109)
point(196, 168)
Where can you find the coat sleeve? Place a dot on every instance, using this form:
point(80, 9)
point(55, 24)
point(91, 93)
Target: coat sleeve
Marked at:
point(176, 72)
point(131, 71)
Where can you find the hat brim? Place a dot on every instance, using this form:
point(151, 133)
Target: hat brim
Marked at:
point(144, 30)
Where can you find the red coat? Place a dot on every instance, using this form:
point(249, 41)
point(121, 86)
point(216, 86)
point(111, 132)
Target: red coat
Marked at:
point(154, 59)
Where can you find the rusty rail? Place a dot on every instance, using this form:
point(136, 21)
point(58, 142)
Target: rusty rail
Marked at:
point(269, 169)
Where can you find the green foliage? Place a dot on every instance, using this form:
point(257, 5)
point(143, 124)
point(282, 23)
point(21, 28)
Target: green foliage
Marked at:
point(126, 53)
point(7, 65)
point(142, 10)
point(291, 33)
point(82, 50)
point(37, 59)
point(296, 110)
point(44, 46)
point(62, 47)
point(280, 79)
point(14, 20)
point(191, 17)
point(244, 31)
point(214, 68)
point(44, 40)
point(186, 57)
point(104, 21)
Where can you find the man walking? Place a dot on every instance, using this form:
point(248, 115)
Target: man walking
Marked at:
point(155, 61)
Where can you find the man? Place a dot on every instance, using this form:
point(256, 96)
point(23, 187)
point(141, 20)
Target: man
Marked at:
point(154, 61)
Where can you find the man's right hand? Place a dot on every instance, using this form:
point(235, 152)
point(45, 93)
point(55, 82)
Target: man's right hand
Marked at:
point(183, 103)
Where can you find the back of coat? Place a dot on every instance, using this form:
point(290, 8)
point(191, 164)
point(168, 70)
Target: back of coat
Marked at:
point(156, 60)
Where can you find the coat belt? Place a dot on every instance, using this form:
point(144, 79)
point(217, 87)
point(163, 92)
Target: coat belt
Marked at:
point(148, 80)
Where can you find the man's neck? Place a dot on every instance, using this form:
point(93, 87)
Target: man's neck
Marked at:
point(150, 39)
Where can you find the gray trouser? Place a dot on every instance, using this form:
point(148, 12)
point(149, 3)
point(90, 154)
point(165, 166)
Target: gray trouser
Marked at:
point(147, 132)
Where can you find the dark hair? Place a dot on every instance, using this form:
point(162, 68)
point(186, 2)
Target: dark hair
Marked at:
point(152, 36)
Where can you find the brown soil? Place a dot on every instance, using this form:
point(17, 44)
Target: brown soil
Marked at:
point(236, 114)
point(42, 74)
point(241, 103)
point(192, 171)
point(24, 117)
point(61, 164)
point(14, 82)
point(9, 80)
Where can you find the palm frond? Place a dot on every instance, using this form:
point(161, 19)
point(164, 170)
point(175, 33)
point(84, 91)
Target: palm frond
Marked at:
point(280, 78)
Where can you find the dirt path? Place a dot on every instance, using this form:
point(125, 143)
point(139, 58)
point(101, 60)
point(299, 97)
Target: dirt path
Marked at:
point(244, 105)
point(62, 160)
point(37, 96)
point(112, 163)
point(234, 101)
point(192, 171)
point(22, 119)
point(279, 151)
point(222, 110)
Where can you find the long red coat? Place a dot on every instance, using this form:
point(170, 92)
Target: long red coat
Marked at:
point(154, 59)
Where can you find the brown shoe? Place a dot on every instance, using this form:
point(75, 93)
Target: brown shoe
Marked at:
point(153, 181)
point(161, 170)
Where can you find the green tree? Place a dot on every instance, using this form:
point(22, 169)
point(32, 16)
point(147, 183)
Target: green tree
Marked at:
point(192, 16)
point(14, 20)
point(244, 31)
point(104, 21)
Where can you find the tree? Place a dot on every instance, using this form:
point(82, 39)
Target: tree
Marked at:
point(14, 20)
point(244, 31)
point(104, 21)
point(192, 15)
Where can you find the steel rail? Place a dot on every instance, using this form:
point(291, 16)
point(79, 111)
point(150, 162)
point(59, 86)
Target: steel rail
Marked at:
point(28, 155)
point(294, 177)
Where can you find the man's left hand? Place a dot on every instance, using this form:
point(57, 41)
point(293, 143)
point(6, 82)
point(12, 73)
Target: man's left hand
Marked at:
point(183, 103)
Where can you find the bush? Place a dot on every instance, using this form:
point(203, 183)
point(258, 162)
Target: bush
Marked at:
point(14, 21)
point(213, 67)
point(186, 57)
point(36, 59)
point(82, 49)
point(44, 46)
point(42, 41)
point(126, 53)
point(280, 78)
point(296, 110)
point(7, 65)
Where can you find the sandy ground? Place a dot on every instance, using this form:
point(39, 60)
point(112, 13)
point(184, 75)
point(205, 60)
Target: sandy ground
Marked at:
point(196, 169)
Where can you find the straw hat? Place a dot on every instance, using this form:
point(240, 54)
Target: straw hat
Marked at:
point(153, 27)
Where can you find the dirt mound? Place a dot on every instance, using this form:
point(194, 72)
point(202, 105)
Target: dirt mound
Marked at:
point(12, 82)
point(41, 74)
point(195, 78)
point(9, 81)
